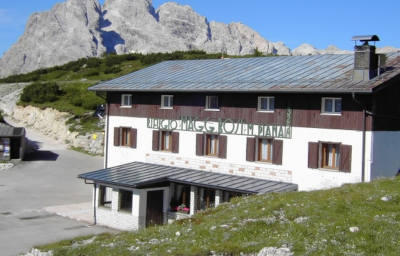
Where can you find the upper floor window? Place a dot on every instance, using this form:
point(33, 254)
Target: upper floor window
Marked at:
point(331, 106)
point(330, 155)
point(212, 103)
point(126, 100)
point(266, 104)
point(166, 141)
point(125, 136)
point(167, 101)
point(264, 150)
point(212, 145)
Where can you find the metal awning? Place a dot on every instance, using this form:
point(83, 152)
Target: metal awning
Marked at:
point(139, 175)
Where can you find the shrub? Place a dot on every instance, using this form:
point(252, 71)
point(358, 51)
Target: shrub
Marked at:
point(40, 93)
point(91, 101)
point(93, 62)
point(112, 70)
point(114, 60)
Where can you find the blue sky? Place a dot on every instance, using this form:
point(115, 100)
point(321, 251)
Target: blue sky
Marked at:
point(317, 22)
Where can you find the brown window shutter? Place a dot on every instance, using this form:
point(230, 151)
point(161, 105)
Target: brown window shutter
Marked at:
point(133, 138)
point(223, 142)
point(313, 155)
point(345, 158)
point(199, 144)
point(251, 149)
point(175, 142)
point(277, 149)
point(156, 140)
point(116, 136)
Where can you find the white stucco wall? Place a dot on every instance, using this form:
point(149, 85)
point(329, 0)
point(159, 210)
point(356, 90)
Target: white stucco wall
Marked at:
point(295, 155)
point(112, 217)
point(385, 154)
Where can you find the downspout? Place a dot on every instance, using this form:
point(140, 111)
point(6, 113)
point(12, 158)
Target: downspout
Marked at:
point(94, 203)
point(107, 132)
point(365, 114)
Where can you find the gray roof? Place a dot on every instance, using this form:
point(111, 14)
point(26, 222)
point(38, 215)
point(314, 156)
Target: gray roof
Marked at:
point(138, 174)
point(10, 131)
point(320, 73)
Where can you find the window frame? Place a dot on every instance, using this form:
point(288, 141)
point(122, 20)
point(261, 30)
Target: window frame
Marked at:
point(207, 143)
point(323, 160)
point(162, 145)
point(208, 102)
point(268, 110)
point(127, 137)
point(333, 113)
point(270, 148)
point(123, 105)
point(171, 101)
point(102, 197)
point(120, 200)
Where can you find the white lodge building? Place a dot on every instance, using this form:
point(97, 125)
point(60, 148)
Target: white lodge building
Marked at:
point(186, 135)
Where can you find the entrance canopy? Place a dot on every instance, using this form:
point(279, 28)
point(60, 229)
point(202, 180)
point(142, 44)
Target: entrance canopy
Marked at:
point(139, 175)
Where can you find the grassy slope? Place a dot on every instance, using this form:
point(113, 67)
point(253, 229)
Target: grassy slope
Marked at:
point(249, 224)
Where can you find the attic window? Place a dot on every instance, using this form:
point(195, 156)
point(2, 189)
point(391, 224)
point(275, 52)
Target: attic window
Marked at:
point(331, 106)
point(126, 100)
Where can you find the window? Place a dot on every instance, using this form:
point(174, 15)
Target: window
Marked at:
point(126, 100)
point(264, 150)
point(266, 104)
point(180, 202)
point(212, 145)
point(331, 106)
point(125, 200)
point(330, 155)
point(105, 196)
point(166, 141)
point(212, 103)
point(167, 101)
point(125, 137)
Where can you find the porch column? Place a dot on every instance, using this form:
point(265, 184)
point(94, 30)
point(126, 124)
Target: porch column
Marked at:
point(218, 197)
point(115, 200)
point(193, 200)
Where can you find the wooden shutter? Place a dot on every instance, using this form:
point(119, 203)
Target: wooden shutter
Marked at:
point(199, 144)
point(313, 155)
point(277, 148)
point(345, 158)
point(116, 136)
point(156, 140)
point(251, 149)
point(175, 142)
point(223, 141)
point(133, 141)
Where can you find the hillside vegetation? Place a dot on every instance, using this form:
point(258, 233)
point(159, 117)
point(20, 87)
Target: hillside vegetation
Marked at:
point(359, 219)
point(65, 87)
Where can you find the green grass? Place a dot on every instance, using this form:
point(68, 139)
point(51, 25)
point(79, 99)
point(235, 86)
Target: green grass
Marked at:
point(249, 224)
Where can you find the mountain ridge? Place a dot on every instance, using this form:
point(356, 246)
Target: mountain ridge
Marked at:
point(77, 29)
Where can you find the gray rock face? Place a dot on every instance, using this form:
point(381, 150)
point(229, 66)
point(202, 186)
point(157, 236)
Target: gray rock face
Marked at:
point(68, 32)
point(82, 28)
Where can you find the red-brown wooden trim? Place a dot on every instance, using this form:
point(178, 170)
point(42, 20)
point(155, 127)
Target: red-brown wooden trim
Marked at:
point(116, 136)
point(133, 138)
point(313, 154)
point(223, 143)
point(345, 158)
point(175, 142)
point(156, 140)
point(250, 149)
point(277, 149)
point(199, 144)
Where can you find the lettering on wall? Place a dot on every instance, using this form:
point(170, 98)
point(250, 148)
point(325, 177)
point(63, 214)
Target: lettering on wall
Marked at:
point(224, 126)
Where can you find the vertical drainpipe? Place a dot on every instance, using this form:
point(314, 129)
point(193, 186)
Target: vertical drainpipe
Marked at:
point(363, 136)
point(106, 137)
point(363, 146)
point(94, 204)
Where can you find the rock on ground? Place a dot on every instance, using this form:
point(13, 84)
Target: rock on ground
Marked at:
point(273, 251)
point(36, 252)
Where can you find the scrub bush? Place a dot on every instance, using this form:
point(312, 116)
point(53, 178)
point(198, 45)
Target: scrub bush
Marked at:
point(40, 93)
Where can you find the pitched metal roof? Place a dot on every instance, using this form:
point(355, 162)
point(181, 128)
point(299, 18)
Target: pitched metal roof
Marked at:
point(10, 131)
point(138, 174)
point(318, 73)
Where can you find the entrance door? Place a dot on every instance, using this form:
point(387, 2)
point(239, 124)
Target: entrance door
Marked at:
point(154, 209)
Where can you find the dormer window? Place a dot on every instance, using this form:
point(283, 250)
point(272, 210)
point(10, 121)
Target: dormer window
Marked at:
point(212, 103)
point(167, 101)
point(126, 100)
point(331, 106)
point(266, 104)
